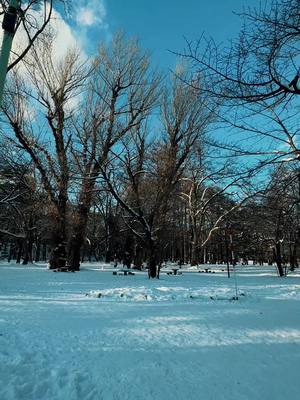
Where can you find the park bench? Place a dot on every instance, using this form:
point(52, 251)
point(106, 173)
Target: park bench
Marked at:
point(124, 272)
point(174, 271)
point(63, 269)
point(207, 271)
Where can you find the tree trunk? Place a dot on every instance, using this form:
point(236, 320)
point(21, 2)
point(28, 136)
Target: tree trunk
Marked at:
point(76, 243)
point(152, 267)
point(10, 253)
point(28, 246)
point(19, 251)
point(38, 250)
point(44, 252)
point(278, 259)
point(292, 254)
point(152, 260)
point(81, 218)
point(194, 255)
point(194, 247)
point(107, 255)
point(138, 256)
point(25, 252)
point(59, 234)
point(77, 237)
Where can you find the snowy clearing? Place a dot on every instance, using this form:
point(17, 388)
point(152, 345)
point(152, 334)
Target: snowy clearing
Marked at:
point(92, 335)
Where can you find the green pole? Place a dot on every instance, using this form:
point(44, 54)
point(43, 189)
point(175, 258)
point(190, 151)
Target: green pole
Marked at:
point(8, 25)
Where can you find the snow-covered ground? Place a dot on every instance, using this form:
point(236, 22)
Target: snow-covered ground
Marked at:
point(92, 335)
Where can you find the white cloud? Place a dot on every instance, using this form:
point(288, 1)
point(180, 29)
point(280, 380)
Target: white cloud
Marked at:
point(65, 38)
point(72, 29)
point(91, 13)
point(86, 17)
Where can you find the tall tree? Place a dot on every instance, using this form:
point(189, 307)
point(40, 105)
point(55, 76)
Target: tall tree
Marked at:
point(123, 92)
point(37, 109)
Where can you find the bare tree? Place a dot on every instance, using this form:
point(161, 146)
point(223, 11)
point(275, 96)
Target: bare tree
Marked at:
point(255, 79)
point(13, 190)
point(37, 108)
point(261, 64)
point(21, 203)
point(123, 92)
point(280, 208)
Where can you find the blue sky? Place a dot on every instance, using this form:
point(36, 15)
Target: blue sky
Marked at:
point(161, 25)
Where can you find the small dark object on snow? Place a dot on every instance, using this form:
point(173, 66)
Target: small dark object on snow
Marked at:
point(64, 269)
point(124, 272)
point(174, 271)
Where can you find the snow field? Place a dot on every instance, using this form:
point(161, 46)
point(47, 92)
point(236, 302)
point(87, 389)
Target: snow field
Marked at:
point(148, 339)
